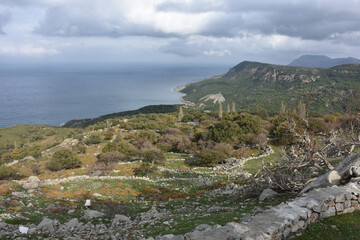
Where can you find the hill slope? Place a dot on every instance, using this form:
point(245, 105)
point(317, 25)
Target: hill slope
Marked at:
point(253, 85)
point(321, 61)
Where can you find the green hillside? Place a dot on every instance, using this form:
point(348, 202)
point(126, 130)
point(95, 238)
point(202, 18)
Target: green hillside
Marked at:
point(253, 85)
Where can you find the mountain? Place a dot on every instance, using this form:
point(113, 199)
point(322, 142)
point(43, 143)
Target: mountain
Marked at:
point(321, 61)
point(253, 85)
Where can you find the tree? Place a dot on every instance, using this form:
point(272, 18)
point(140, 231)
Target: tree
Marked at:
point(220, 110)
point(63, 159)
point(181, 114)
point(233, 107)
point(228, 108)
point(282, 109)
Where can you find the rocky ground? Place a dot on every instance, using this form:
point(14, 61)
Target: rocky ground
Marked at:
point(128, 207)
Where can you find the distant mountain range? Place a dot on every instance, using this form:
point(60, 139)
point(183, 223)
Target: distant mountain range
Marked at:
point(253, 85)
point(321, 61)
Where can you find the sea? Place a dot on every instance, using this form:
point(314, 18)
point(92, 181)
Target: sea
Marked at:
point(53, 94)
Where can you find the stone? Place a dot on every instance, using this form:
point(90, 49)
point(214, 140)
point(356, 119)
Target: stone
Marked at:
point(347, 204)
point(355, 204)
point(341, 172)
point(328, 213)
point(72, 224)
point(202, 227)
point(90, 214)
point(267, 194)
point(31, 185)
point(349, 210)
point(119, 219)
point(330, 203)
point(23, 229)
point(46, 225)
point(286, 233)
point(87, 203)
point(33, 182)
point(340, 198)
point(295, 228)
point(314, 216)
point(301, 224)
point(339, 207)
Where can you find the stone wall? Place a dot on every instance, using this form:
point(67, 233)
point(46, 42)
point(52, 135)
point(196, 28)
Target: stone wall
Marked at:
point(286, 219)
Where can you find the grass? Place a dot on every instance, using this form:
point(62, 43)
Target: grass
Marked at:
point(22, 134)
point(343, 227)
point(255, 165)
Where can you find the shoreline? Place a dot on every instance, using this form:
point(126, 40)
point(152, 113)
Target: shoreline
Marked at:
point(179, 89)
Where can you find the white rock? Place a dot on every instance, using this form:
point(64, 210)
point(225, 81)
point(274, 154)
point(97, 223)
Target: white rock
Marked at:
point(87, 203)
point(23, 229)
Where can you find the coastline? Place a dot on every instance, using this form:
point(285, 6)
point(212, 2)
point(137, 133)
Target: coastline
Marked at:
point(179, 89)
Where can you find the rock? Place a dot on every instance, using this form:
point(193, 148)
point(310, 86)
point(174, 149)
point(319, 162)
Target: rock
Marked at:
point(267, 194)
point(23, 229)
point(72, 224)
point(19, 194)
point(87, 203)
point(328, 213)
point(119, 219)
point(202, 227)
point(90, 214)
point(33, 182)
point(46, 225)
point(32, 185)
point(343, 172)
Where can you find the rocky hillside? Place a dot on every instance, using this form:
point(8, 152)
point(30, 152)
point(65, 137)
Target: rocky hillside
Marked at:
point(321, 61)
point(253, 85)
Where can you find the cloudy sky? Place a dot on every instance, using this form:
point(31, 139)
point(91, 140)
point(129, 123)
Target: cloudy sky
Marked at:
point(226, 31)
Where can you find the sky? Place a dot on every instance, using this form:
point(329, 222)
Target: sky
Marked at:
point(175, 31)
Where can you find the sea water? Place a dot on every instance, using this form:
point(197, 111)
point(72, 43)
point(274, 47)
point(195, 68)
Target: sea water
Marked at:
point(53, 94)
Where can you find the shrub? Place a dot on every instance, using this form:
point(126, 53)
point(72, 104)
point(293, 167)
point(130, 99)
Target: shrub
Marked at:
point(63, 159)
point(110, 157)
point(93, 139)
point(109, 134)
point(35, 168)
point(8, 173)
point(81, 149)
point(110, 147)
point(153, 155)
point(235, 128)
point(144, 169)
point(214, 156)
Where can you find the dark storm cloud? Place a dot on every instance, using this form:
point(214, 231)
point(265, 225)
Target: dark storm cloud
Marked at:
point(315, 20)
point(4, 19)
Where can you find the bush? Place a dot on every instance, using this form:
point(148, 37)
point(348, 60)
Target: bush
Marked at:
point(109, 134)
point(110, 157)
point(93, 139)
point(110, 147)
point(8, 173)
point(81, 149)
point(214, 156)
point(144, 169)
point(235, 128)
point(153, 155)
point(63, 159)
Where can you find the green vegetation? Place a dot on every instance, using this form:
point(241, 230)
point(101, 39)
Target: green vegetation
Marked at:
point(343, 227)
point(255, 86)
point(63, 159)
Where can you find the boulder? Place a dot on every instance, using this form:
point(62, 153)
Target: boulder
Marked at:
point(46, 226)
point(90, 214)
point(119, 219)
point(348, 168)
point(33, 182)
point(72, 224)
point(267, 194)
